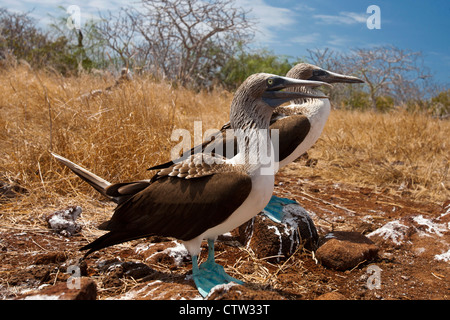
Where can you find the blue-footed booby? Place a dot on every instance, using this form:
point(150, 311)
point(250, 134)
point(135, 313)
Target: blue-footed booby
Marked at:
point(299, 126)
point(205, 195)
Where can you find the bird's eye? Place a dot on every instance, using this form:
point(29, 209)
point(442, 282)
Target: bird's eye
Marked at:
point(319, 72)
point(270, 82)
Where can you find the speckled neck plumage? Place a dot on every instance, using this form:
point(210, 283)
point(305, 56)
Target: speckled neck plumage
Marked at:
point(307, 106)
point(250, 119)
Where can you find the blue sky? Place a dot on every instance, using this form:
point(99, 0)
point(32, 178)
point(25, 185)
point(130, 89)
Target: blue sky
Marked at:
point(289, 27)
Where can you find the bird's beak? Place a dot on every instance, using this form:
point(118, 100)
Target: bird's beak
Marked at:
point(332, 77)
point(274, 97)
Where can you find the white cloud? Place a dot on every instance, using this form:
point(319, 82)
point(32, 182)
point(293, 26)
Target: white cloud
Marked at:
point(43, 2)
point(307, 38)
point(104, 5)
point(270, 19)
point(269, 15)
point(339, 41)
point(303, 8)
point(344, 17)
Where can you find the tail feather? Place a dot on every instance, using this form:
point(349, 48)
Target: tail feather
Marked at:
point(95, 181)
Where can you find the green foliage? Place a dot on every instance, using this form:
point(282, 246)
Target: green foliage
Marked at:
point(437, 106)
point(62, 51)
point(85, 49)
point(356, 100)
point(384, 103)
point(19, 36)
point(243, 64)
point(443, 97)
point(440, 104)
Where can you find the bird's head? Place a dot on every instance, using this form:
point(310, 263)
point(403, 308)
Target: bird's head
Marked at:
point(260, 93)
point(308, 71)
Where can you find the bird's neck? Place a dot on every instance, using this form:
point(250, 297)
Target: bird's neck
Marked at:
point(251, 127)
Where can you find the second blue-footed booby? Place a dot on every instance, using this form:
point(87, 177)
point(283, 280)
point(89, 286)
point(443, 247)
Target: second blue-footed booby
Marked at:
point(299, 126)
point(205, 195)
point(301, 123)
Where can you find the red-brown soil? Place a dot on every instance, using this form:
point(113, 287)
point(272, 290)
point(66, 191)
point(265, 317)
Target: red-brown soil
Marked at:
point(36, 258)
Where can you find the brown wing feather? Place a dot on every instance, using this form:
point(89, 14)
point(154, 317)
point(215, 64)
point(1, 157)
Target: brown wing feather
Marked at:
point(175, 207)
point(292, 131)
point(216, 144)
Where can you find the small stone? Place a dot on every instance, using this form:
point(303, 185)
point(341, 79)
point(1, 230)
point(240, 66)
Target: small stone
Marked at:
point(331, 296)
point(341, 250)
point(87, 290)
point(233, 291)
point(10, 189)
point(52, 257)
point(64, 221)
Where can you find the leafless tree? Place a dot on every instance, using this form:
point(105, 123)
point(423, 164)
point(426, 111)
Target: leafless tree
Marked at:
point(188, 40)
point(387, 71)
point(119, 31)
point(326, 58)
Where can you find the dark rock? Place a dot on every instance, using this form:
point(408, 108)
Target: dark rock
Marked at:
point(116, 270)
point(341, 250)
point(270, 239)
point(104, 265)
point(136, 270)
point(10, 189)
point(298, 219)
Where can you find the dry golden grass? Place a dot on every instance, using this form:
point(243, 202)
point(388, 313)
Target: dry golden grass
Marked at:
point(119, 134)
point(403, 152)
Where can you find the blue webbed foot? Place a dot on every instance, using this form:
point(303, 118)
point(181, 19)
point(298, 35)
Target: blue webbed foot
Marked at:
point(210, 274)
point(274, 209)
